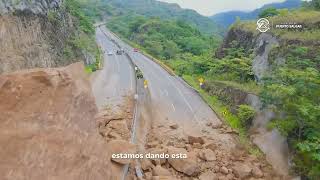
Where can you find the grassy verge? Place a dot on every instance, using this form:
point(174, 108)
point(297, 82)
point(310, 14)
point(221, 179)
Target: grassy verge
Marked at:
point(224, 114)
point(250, 87)
point(97, 64)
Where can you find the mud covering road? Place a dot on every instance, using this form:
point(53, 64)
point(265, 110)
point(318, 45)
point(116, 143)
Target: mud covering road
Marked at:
point(47, 127)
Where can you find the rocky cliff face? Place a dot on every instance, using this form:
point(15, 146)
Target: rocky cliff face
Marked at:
point(272, 143)
point(261, 45)
point(32, 6)
point(29, 38)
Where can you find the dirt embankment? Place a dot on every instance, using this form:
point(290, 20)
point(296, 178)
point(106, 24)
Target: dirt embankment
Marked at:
point(47, 127)
point(36, 33)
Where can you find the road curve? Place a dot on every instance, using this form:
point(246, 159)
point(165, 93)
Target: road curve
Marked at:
point(172, 99)
point(116, 80)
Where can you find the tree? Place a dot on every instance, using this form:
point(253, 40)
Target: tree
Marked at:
point(295, 94)
point(195, 45)
point(246, 114)
point(154, 48)
point(170, 49)
point(269, 12)
point(316, 4)
point(136, 23)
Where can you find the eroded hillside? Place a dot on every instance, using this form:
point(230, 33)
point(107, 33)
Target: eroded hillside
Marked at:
point(40, 34)
point(47, 126)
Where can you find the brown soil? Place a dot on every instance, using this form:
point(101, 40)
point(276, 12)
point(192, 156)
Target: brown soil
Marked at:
point(47, 127)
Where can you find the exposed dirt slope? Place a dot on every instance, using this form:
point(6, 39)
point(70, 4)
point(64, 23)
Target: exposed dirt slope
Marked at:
point(31, 41)
point(47, 129)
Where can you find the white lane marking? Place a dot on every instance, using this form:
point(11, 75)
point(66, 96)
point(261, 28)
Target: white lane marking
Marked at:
point(172, 83)
point(166, 92)
point(118, 64)
point(131, 79)
point(152, 63)
point(150, 72)
point(174, 109)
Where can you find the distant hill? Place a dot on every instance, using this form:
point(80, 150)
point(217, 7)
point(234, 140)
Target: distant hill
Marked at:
point(227, 18)
point(153, 8)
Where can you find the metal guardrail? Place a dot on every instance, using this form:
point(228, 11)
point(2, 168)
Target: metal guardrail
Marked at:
point(135, 112)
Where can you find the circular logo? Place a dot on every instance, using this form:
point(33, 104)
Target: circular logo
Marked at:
point(263, 25)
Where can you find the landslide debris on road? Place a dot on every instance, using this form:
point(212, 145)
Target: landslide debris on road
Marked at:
point(47, 127)
point(208, 158)
point(115, 123)
point(114, 126)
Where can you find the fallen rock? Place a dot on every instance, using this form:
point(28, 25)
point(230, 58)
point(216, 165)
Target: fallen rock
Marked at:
point(104, 117)
point(195, 139)
point(113, 135)
point(216, 126)
point(197, 145)
point(242, 170)
point(121, 147)
point(211, 146)
point(257, 173)
point(148, 175)
point(208, 176)
point(146, 164)
point(207, 155)
point(152, 144)
point(224, 170)
point(188, 147)
point(230, 176)
point(187, 166)
point(160, 171)
point(174, 126)
point(229, 130)
point(156, 151)
point(180, 145)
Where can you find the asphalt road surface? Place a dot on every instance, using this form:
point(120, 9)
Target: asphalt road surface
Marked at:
point(172, 99)
point(116, 80)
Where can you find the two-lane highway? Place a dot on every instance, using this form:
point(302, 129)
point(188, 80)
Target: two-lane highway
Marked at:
point(116, 80)
point(173, 101)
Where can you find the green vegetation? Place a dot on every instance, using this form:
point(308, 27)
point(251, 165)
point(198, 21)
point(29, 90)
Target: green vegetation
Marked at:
point(294, 90)
point(104, 9)
point(83, 40)
point(246, 114)
point(307, 17)
point(162, 39)
point(75, 9)
point(53, 17)
point(269, 12)
point(314, 4)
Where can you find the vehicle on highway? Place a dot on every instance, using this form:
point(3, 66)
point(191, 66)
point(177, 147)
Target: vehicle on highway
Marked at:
point(110, 53)
point(136, 50)
point(120, 52)
point(139, 74)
